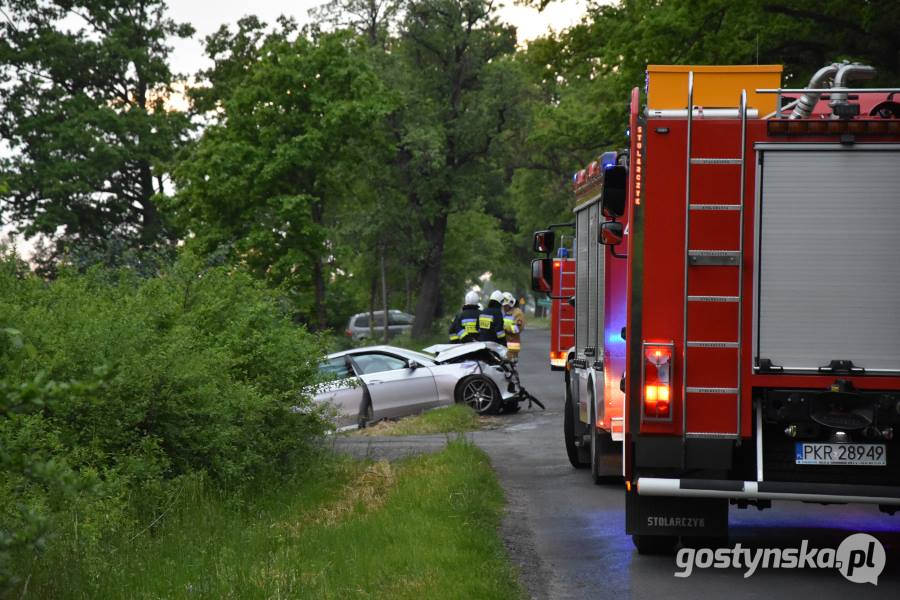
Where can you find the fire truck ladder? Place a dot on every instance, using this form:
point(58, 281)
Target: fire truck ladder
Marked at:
point(698, 259)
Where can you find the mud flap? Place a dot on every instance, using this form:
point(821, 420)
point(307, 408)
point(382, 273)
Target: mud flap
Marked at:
point(660, 515)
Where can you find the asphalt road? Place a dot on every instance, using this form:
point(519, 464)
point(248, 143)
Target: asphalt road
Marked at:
point(568, 535)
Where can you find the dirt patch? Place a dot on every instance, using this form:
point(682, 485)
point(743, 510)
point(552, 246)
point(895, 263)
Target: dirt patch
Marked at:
point(419, 425)
point(366, 492)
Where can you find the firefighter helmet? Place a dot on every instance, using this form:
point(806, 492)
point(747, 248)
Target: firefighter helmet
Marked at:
point(472, 298)
point(508, 299)
point(497, 296)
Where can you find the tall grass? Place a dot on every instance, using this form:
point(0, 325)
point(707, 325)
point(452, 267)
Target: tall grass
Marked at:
point(446, 419)
point(426, 527)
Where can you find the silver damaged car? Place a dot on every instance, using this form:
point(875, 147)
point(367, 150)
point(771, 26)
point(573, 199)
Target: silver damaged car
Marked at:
point(364, 385)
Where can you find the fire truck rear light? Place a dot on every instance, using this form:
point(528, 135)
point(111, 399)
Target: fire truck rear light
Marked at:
point(657, 382)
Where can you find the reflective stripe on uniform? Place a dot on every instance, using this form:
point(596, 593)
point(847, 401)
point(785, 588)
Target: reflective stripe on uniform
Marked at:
point(485, 321)
point(509, 324)
point(513, 346)
point(469, 326)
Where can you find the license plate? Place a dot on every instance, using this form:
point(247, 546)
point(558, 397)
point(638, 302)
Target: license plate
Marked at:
point(841, 454)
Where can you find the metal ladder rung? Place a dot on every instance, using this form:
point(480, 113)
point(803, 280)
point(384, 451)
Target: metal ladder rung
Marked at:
point(712, 344)
point(713, 299)
point(716, 207)
point(716, 161)
point(713, 257)
point(720, 258)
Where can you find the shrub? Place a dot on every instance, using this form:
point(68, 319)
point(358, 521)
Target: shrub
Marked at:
point(196, 372)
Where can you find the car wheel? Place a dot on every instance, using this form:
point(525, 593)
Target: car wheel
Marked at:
point(654, 544)
point(366, 413)
point(478, 392)
point(576, 455)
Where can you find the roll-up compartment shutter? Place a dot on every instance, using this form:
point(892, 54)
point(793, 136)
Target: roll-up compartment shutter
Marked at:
point(828, 245)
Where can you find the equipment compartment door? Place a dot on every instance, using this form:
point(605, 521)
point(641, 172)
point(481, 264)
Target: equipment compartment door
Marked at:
point(827, 278)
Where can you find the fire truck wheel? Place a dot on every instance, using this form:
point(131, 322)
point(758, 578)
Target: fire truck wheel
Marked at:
point(478, 392)
point(576, 454)
point(654, 544)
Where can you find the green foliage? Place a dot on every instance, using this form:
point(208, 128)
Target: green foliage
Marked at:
point(461, 98)
point(345, 529)
point(265, 180)
point(584, 74)
point(196, 372)
point(33, 475)
point(84, 111)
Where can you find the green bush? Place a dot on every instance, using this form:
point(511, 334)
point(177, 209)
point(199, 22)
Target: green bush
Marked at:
point(197, 372)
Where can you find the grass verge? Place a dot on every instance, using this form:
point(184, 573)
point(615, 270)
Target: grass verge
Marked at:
point(426, 527)
point(448, 419)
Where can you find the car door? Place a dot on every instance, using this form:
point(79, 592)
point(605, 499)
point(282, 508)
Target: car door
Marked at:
point(341, 389)
point(395, 389)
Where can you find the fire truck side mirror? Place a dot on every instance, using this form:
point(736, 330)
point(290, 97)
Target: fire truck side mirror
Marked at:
point(542, 275)
point(544, 241)
point(611, 233)
point(615, 185)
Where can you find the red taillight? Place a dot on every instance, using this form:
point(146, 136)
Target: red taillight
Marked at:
point(657, 385)
point(349, 333)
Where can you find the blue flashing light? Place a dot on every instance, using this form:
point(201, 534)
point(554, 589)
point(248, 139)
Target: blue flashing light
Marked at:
point(608, 159)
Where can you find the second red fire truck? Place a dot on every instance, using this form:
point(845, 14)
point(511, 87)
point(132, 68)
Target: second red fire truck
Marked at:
point(737, 299)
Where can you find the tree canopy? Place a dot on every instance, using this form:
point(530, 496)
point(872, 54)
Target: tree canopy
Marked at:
point(384, 156)
point(86, 117)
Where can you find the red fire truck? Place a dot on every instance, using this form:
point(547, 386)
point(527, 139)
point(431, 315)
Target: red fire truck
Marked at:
point(738, 299)
point(562, 310)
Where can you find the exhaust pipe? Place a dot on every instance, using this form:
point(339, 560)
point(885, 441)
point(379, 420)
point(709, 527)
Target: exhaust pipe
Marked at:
point(807, 102)
point(845, 74)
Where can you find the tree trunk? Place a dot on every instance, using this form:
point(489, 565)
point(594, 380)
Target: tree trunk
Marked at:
point(319, 272)
point(372, 290)
point(384, 295)
point(430, 275)
point(408, 304)
point(319, 285)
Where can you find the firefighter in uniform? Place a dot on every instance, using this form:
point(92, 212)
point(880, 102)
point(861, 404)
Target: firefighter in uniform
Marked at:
point(464, 327)
point(490, 321)
point(513, 324)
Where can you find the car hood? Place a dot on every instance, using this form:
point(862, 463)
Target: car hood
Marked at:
point(447, 352)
